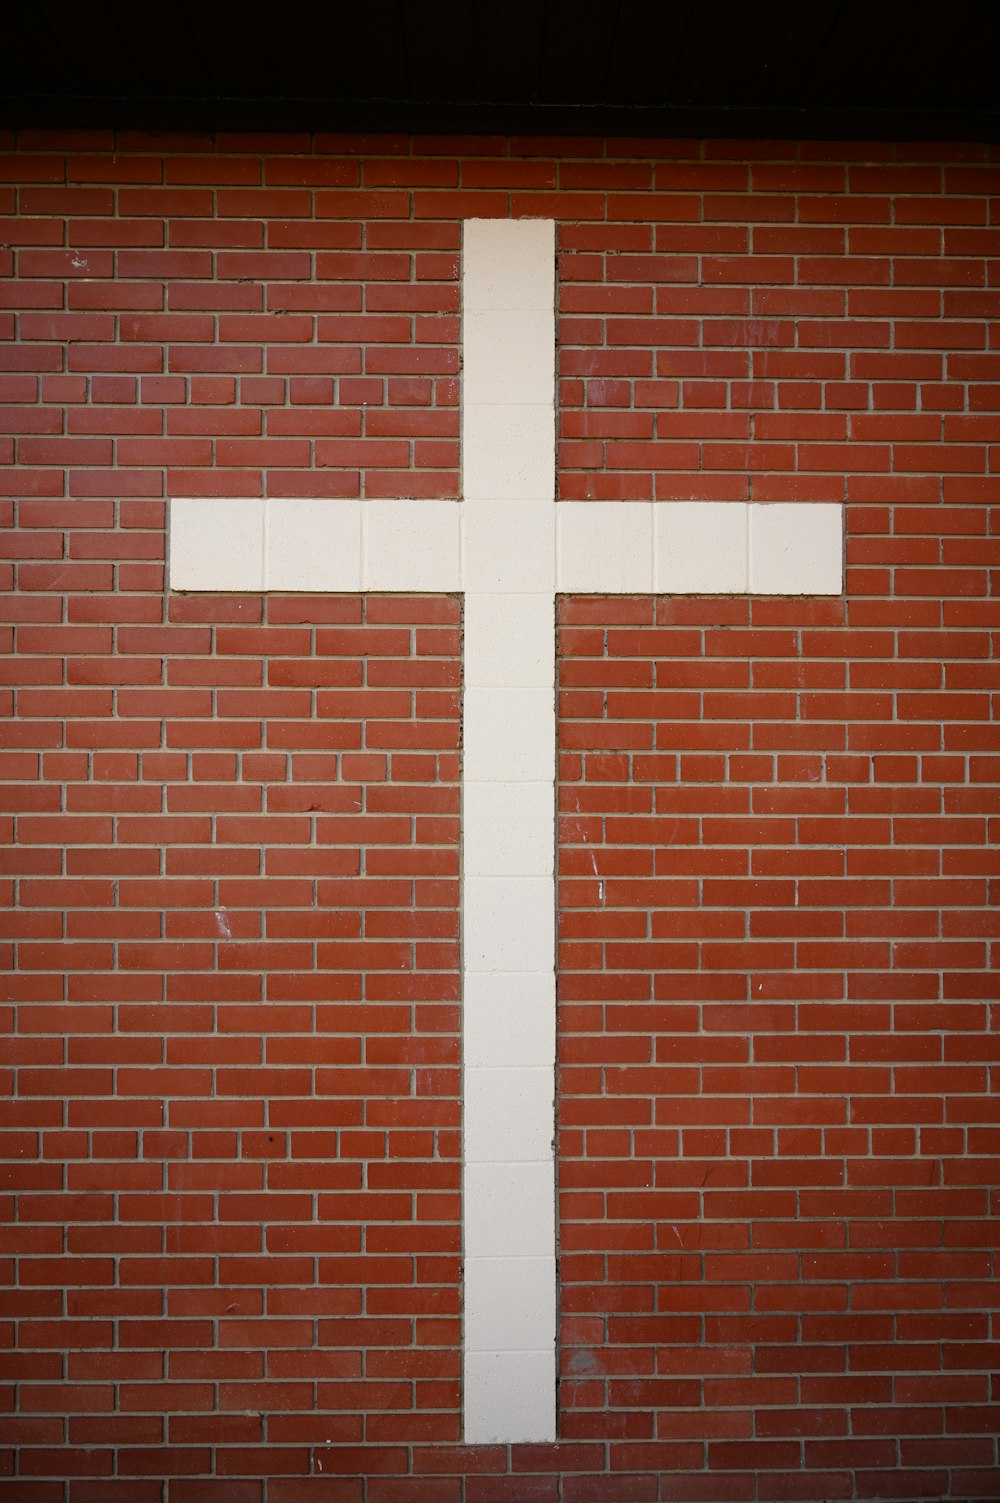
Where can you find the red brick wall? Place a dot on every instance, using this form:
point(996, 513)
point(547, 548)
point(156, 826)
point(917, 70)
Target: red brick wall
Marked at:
point(232, 1179)
point(778, 1145)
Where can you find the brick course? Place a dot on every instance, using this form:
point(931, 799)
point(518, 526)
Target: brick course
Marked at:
point(233, 1111)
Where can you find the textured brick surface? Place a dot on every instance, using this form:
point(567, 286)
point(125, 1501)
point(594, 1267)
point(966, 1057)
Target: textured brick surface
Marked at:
point(232, 1117)
point(777, 1143)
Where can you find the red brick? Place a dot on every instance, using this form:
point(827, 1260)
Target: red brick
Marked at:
point(773, 843)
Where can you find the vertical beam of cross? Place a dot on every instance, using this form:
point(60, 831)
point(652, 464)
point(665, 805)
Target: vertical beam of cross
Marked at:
point(508, 781)
point(510, 548)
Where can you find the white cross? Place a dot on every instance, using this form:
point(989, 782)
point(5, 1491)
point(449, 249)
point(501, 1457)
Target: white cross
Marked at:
point(511, 549)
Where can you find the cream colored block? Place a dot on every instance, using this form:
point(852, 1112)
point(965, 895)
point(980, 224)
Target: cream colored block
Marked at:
point(509, 547)
point(508, 263)
point(605, 547)
point(509, 1019)
point(509, 1396)
point(216, 544)
point(797, 548)
point(508, 735)
point(411, 546)
point(509, 924)
point(508, 453)
point(312, 544)
point(510, 641)
point(508, 829)
point(508, 358)
point(509, 1115)
point(509, 1210)
point(510, 1304)
point(700, 548)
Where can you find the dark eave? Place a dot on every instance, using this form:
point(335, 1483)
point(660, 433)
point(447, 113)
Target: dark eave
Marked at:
point(849, 69)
